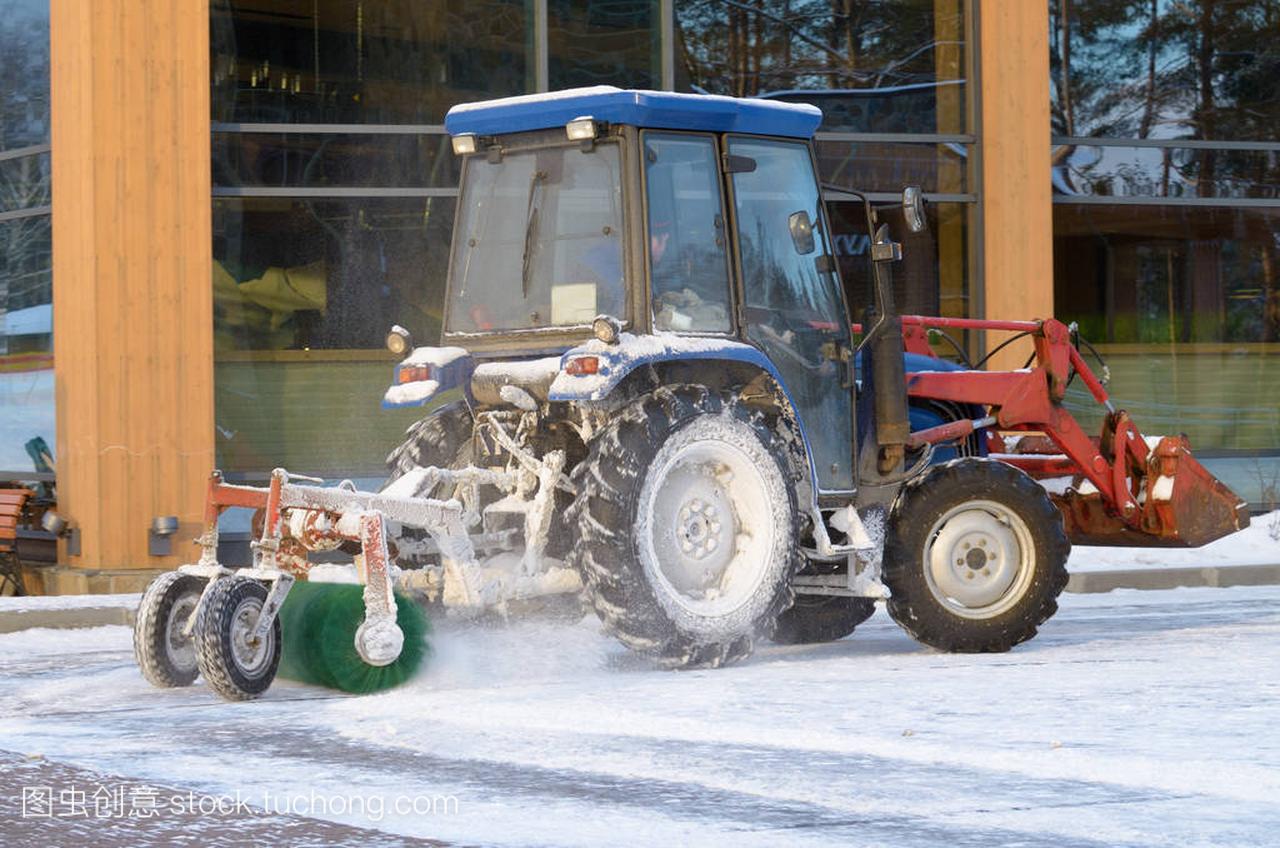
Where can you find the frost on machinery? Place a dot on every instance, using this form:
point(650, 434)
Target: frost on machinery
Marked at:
point(649, 395)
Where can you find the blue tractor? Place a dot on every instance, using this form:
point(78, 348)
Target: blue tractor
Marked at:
point(648, 394)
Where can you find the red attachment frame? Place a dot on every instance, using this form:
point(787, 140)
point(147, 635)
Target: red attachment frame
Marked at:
point(276, 544)
point(1134, 495)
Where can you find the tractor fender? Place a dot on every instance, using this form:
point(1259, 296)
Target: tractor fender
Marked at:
point(446, 368)
point(615, 361)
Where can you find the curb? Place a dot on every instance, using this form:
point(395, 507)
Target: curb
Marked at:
point(12, 621)
point(1084, 582)
point(1088, 582)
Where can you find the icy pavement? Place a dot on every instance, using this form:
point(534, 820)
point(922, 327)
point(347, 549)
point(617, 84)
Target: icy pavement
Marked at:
point(85, 803)
point(1135, 718)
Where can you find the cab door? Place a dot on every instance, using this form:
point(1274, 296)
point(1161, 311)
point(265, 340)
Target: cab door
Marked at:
point(792, 306)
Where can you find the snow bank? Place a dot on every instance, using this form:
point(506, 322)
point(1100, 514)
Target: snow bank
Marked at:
point(58, 602)
point(38, 641)
point(1257, 544)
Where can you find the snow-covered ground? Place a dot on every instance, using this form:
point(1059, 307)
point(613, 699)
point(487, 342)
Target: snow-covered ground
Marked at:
point(34, 603)
point(1257, 544)
point(1135, 718)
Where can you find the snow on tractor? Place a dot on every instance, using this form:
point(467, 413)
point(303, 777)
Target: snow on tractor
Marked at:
point(649, 395)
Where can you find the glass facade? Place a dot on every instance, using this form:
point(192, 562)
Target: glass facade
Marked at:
point(891, 78)
point(334, 192)
point(1166, 165)
point(590, 42)
point(335, 185)
point(26, 293)
point(361, 62)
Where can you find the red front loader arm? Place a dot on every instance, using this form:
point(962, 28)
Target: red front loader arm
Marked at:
point(1118, 489)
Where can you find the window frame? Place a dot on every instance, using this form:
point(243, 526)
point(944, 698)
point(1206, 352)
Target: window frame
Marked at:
point(733, 290)
point(552, 335)
point(732, 199)
point(823, 495)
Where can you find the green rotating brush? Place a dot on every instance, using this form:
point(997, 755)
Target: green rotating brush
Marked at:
point(318, 626)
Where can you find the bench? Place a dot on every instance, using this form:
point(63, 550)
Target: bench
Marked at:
point(13, 503)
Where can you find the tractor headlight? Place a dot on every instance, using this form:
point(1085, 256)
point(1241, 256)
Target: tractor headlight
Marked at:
point(399, 341)
point(464, 144)
point(606, 328)
point(581, 129)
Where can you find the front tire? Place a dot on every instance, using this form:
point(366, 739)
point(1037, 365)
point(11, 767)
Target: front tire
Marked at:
point(166, 656)
point(234, 665)
point(687, 527)
point(975, 557)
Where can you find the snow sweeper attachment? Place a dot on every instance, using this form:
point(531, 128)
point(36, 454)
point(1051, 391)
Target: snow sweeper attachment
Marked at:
point(237, 627)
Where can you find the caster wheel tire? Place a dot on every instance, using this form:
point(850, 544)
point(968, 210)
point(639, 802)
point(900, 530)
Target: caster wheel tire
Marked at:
point(167, 656)
point(233, 663)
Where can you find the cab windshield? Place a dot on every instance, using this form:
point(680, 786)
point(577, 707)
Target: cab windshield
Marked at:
point(538, 241)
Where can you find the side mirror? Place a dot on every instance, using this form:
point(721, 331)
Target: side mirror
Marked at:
point(913, 209)
point(801, 232)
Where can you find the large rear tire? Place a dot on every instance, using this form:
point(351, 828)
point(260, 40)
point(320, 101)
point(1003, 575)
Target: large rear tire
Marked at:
point(687, 527)
point(975, 557)
point(437, 440)
point(440, 440)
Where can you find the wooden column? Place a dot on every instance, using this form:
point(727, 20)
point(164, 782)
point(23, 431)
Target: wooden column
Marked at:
point(132, 298)
point(1013, 40)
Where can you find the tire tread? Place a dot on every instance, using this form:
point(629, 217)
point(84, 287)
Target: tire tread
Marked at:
point(213, 647)
point(605, 554)
point(911, 603)
point(150, 630)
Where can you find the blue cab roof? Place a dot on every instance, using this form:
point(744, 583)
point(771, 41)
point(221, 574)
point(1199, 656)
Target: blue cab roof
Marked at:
point(652, 109)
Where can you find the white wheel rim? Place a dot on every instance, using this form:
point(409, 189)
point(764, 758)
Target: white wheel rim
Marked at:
point(706, 523)
point(979, 559)
point(180, 647)
point(251, 656)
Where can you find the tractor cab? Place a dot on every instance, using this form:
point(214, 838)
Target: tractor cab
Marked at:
point(694, 218)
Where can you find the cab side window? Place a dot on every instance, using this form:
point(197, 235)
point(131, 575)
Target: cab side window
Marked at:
point(688, 259)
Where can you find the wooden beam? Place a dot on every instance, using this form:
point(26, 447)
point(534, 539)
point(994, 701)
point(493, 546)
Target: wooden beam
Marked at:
point(133, 323)
point(1013, 44)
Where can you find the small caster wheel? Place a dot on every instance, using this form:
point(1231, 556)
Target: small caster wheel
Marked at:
point(166, 655)
point(235, 664)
